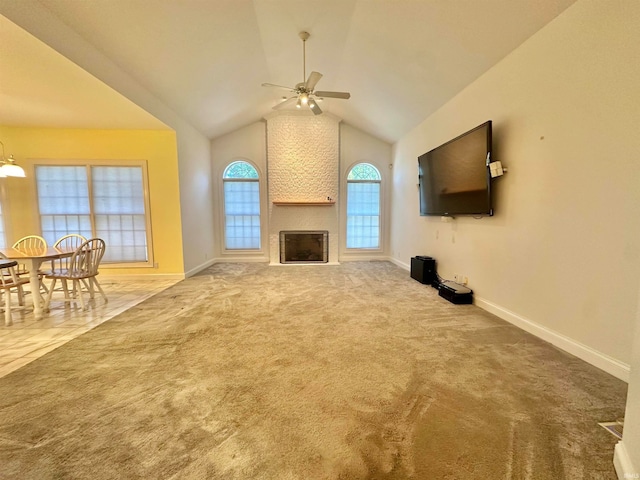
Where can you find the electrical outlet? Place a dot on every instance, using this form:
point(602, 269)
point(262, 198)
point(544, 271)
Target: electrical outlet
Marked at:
point(463, 280)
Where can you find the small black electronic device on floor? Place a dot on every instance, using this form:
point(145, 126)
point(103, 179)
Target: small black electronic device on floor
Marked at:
point(423, 269)
point(456, 293)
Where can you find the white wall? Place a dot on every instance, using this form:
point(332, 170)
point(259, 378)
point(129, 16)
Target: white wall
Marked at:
point(627, 453)
point(561, 255)
point(248, 144)
point(196, 200)
point(357, 146)
point(196, 197)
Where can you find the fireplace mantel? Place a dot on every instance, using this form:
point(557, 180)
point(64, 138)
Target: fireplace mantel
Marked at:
point(326, 203)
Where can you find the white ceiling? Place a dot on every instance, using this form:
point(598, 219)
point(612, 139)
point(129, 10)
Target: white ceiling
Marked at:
point(41, 88)
point(400, 59)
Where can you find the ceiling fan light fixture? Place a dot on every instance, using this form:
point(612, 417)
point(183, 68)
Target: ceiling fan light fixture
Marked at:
point(304, 92)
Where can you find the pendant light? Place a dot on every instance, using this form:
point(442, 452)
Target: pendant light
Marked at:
point(9, 167)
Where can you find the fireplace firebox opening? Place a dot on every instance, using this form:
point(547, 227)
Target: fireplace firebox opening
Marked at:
point(304, 246)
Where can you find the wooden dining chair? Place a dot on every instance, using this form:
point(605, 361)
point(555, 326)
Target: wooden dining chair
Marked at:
point(82, 271)
point(10, 281)
point(68, 243)
point(6, 272)
point(31, 242)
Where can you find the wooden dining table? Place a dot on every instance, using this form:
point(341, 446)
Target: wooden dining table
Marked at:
point(33, 258)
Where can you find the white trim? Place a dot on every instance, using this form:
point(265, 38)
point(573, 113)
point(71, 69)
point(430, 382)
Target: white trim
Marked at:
point(88, 164)
point(4, 214)
point(382, 214)
point(143, 276)
point(598, 359)
point(364, 257)
point(221, 210)
point(402, 265)
point(622, 463)
point(241, 259)
point(199, 268)
point(303, 264)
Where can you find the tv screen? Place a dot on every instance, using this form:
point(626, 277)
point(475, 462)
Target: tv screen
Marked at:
point(454, 177)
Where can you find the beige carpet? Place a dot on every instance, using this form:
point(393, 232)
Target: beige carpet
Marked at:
point(307, 372)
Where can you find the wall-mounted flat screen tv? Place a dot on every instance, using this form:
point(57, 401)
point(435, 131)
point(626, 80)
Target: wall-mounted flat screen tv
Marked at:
point(454, 177)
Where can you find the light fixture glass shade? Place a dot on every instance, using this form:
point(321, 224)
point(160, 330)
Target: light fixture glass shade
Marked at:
point(304, 98)
point(10, 169)
point(298, 103)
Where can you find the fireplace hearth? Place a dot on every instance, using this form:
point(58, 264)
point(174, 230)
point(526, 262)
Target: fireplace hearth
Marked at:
point(311, 246)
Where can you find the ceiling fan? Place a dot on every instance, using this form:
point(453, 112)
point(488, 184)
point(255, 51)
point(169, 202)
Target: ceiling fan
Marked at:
point(304, 93)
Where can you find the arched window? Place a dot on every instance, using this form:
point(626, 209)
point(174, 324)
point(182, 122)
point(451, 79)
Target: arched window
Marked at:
point(241, 206)
point(363, 207)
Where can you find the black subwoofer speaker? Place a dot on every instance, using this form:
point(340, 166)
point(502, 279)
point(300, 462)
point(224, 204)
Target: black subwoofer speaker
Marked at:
point(423, 269)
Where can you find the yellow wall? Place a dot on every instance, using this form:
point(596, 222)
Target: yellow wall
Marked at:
point(157, 147)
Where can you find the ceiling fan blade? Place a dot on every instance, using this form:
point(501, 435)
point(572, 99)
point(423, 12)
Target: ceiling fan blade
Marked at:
point(286, 103)
point(343, 95)
point(313, 79)
point(278, 86)
point(313, 105)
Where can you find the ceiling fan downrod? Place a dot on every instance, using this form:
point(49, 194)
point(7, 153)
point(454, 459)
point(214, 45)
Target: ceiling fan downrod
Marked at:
point(304, 36)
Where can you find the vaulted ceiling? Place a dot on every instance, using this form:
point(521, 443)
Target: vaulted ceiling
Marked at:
point(206, 60)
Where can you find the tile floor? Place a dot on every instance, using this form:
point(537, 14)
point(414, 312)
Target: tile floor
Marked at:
point(28, 338)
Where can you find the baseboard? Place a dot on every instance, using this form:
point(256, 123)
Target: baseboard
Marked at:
point(402, 265)
point(199, 268)
point(143, 276)
point(241, 259)
point(622, 463)
point(278, 264)
point(364, 258)
point(598, 359)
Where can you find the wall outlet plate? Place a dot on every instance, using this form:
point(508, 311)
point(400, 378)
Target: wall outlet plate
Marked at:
point(496, 169)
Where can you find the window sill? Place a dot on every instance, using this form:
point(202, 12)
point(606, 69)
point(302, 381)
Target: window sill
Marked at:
point(127, 265)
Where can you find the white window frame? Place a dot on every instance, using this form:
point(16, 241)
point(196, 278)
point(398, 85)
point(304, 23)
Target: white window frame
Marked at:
point(106, 163)
point(241, 251)
point(3, 215)
point(380, 247)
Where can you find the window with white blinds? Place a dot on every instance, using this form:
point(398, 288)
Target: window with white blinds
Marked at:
point(102, 201)
point(119, 209)
point(63, 201)
point(241, 207)
point(363, 207)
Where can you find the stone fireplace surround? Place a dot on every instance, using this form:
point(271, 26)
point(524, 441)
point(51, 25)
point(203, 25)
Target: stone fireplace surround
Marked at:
point(303, 161)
